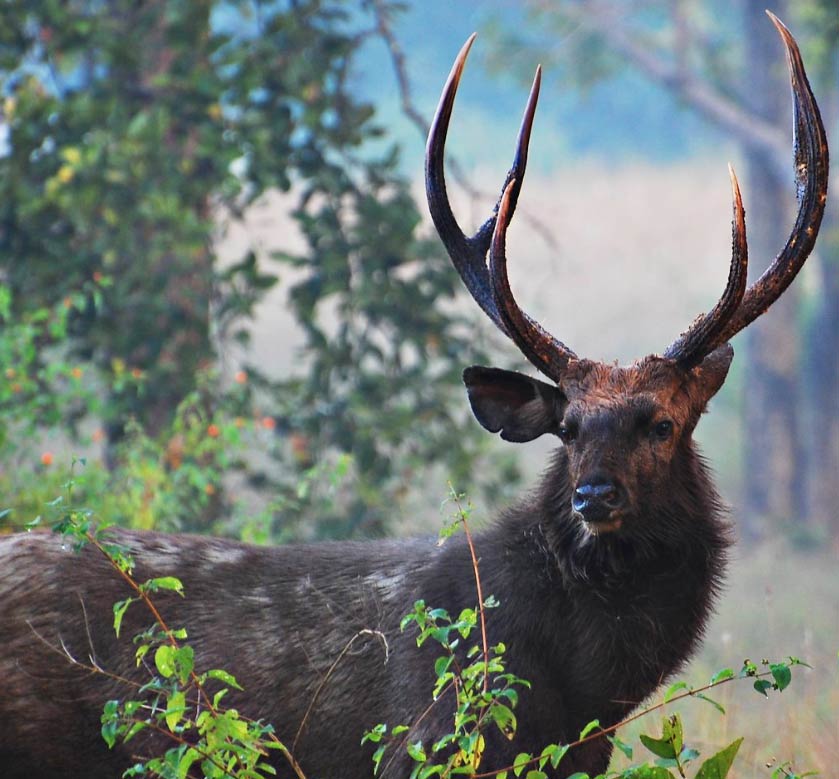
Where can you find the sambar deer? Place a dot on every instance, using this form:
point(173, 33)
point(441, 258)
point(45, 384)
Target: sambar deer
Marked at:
point(605, 574)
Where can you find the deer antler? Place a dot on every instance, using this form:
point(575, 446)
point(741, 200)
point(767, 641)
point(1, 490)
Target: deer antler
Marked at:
point(811, 170)
point(489, 287)
point(737, 307)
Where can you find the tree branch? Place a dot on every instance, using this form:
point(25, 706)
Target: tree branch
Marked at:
point(751, 130)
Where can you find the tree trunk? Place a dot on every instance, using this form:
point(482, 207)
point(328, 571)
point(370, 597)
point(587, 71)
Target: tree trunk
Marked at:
point(823, 382)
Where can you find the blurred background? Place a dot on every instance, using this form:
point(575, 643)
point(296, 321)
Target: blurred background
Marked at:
point(224, 308)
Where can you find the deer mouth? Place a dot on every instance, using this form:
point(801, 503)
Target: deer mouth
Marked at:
point(603, 526)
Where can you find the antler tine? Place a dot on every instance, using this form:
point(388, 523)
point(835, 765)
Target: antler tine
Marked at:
point(548, 354)
point(811, 172)
point(706, 333)
point(468, 254)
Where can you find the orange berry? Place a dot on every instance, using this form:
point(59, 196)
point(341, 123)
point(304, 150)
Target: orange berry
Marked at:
point(210, 489)
point(97, 276)
point(239, 422)
point(46, 458)
point(137, 373)
point(240, 377)
point(16, 387)
point(77, 373)
point(269, 423)
point(213, 431)
point(98, 435)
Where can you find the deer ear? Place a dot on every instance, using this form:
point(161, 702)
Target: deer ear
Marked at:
point(518, 407)
point(710, 374)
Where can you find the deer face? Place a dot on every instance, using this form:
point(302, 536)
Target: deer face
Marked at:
point(621, 427)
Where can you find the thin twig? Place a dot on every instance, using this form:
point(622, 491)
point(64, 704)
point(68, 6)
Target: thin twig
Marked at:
point(601, 732)
point(364, 632)
point(199, 687)
point(478, 587)
point(147, 601)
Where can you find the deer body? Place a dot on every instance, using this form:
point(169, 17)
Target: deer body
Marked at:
point(606, 574)
point(574, 615)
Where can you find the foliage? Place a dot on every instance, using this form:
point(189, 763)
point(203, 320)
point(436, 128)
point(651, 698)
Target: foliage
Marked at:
point(176, 701)
point(182, 479)
point(136, 131)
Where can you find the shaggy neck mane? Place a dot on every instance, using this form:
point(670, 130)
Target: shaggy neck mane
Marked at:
point(687, 526)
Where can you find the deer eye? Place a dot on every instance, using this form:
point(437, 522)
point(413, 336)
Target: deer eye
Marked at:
point(567, 433)
point(663, 430)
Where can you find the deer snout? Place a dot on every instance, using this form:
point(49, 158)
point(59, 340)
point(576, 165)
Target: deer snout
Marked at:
point(595, 500)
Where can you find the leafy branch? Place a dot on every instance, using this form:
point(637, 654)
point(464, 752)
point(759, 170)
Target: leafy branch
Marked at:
point(228, 744)
point(486, 696)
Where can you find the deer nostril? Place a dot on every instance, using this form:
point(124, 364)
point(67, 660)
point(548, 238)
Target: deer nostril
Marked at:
point(594, 500)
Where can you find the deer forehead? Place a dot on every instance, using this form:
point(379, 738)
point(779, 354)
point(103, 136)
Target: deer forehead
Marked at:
point(651, 383)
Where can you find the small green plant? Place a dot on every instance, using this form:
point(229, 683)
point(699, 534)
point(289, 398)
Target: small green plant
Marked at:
point(486, 696)
point(176, 702)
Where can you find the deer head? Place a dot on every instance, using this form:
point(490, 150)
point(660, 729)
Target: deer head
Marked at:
point(623, 428)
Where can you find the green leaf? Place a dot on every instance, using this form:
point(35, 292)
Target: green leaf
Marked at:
point(555, 753)
point(673, 690)
point(223, 676)
point(374, 734)
point(120, 607)
point(441, 664)
point(184, 662)
point(762, 685)
point(164, 583)
point(658, 746)
point(134, 730)
point(717, 766)
point(721, 676)
point(673, 732)
point(110, 722)
point(175, 709)
point(782, 675)
point(647, 772)
point(416, 751)
point(504, 719)
point(621, 745)
point(520, 762)
point(164, 660)
point(718, 706)
point(377, 757)
point(595, 723)
point(186, 761)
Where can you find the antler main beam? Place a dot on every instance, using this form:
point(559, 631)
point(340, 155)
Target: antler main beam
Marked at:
point(489, 286)
point(811, 173)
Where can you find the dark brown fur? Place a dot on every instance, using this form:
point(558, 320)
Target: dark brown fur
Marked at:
point(594, 618)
